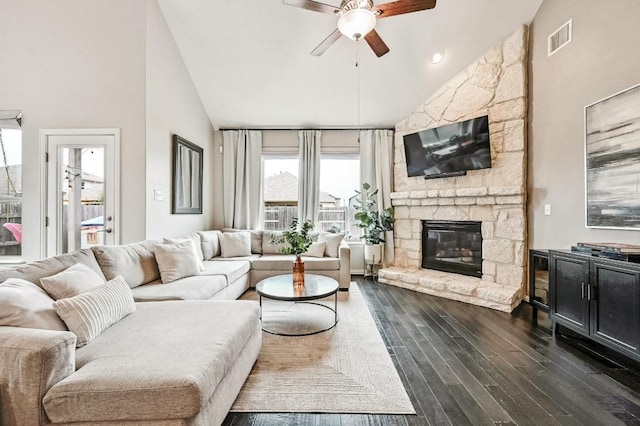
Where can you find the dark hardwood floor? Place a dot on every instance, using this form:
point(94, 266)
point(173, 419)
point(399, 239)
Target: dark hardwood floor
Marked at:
point(466, 365)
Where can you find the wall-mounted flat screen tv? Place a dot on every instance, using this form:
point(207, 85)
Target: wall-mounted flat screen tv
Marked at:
point(449, 150)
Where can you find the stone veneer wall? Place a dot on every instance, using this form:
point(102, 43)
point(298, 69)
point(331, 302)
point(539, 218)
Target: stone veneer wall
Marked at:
point(495, 85)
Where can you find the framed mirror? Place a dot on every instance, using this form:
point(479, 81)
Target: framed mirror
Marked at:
point(187, 177)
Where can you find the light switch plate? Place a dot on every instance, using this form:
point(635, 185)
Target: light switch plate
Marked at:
point(158, 195)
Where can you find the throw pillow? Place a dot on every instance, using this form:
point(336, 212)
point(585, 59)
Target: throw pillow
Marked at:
point(197, 241)
point(24, 304)
point(333, 243)
point(236, 244)
point(316, 249)
point(267, 246)
point(177, 261)
point(189, 240)
point(89, 314)
point(210, 244)
point(136, 262)
point(256, 238)
point(71, 282)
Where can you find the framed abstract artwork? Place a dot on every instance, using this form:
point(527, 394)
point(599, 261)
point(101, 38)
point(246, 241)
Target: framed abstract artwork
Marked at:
point(612, 147)
point(187, 177)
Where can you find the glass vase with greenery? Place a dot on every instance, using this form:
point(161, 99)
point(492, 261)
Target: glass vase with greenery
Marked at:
point(298, 242)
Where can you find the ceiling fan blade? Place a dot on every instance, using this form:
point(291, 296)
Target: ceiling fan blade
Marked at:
point(376, 44)
point(312, 5)
point(326, 43)
point(400, 7)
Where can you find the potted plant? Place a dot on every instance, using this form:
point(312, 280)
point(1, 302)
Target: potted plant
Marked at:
point(372, 222)
point(298, 242)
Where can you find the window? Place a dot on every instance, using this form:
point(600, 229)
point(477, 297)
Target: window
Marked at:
point(280, 191)
point(339, 178)
point(10, 188)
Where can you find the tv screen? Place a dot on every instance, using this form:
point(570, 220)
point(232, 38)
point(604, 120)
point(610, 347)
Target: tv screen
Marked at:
point(449, 150)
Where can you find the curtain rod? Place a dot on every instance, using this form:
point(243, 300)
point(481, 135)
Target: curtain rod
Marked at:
point(305, 128)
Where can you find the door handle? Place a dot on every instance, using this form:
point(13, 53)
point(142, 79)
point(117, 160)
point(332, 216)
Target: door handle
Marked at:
point(589, 295)
point(582, 291)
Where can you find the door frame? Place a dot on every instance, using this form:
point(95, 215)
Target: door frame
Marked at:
point(44, 184)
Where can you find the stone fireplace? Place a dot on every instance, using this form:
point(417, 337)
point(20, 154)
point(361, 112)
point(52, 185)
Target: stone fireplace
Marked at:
point(494, 198)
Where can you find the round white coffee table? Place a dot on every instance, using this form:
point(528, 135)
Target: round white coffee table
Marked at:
point(280, 287)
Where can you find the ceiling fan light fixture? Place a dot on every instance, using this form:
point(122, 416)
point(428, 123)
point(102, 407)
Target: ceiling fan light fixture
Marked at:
point(357, 23)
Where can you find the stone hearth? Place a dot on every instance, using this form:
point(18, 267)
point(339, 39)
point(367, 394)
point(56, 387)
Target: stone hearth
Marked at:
point(495, 85)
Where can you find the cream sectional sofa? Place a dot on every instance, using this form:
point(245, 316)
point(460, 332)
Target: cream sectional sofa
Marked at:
point(265, 260)
point(179, 359)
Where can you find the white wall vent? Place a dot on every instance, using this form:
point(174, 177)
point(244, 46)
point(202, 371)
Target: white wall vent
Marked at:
point(560, 38)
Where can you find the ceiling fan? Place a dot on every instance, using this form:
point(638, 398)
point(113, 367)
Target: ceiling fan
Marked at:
point(357, 19)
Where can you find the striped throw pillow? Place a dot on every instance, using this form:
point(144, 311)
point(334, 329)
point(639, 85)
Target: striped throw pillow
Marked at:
point(89, 314)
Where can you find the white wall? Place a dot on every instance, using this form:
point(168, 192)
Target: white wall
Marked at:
point(76, 64)
point(173, 107)
point(601, 60)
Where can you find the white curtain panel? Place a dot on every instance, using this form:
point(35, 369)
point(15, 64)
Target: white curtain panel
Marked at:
point(309, 175)
point(242, 179)
point(376, 168)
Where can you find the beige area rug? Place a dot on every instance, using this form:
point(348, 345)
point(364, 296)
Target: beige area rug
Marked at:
point(344, 370)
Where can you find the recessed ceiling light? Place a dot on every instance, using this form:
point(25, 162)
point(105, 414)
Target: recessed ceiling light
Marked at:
point(437, 57)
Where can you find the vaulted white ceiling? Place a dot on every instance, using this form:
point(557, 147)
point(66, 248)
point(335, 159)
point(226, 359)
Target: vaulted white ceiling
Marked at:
point(250, 61)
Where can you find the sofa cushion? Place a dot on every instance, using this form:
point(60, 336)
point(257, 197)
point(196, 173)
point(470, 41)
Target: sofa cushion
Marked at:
point(210, 241)
point(90, 313)
point(316, 249)
point(284, 262)
point(256, 238)
point(136, 262)
point(37, 269)
point(72, 281)
point(195, 237)
point(268, 246)
point(333, 243)
point(24, 304)
point(199, 287)
point(143, 369)
point(235, 244)
point(231, 269)
point(178, 260)
point(196, 246)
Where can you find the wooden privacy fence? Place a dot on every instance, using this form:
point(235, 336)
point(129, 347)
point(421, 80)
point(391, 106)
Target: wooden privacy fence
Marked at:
point(89, 211)
point(10, 212)
point(337, 219)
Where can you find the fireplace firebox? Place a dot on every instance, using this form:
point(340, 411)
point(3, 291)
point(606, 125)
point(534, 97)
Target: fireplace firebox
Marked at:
point(452, 246)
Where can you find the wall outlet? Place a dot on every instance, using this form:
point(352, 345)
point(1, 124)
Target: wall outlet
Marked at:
point(547, 209)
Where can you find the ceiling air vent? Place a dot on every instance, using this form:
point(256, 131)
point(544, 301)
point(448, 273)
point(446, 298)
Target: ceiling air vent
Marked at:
point(560, 38)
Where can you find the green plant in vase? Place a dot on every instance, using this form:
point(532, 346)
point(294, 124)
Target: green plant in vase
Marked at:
point(298, 242)
point(372, 222)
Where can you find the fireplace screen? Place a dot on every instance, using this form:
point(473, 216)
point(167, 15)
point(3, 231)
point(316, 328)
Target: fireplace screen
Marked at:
point(452, 246)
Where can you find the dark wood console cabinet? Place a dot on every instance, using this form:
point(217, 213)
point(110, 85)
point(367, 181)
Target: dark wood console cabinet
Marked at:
point(596, 297)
